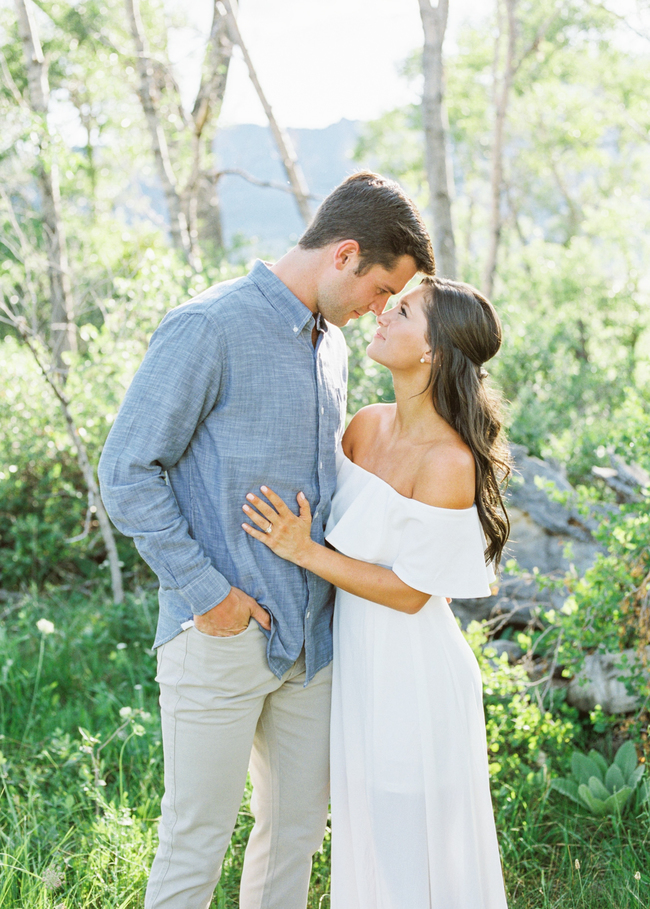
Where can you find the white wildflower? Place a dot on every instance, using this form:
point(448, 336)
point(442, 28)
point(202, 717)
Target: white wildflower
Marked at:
point(53, 879)
point(45, 626)
point(125, 712)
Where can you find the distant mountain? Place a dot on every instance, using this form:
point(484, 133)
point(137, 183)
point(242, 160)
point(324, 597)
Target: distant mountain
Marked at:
point(264, 221)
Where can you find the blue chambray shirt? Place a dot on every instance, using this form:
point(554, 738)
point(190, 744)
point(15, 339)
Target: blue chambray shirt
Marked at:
point(230, 395)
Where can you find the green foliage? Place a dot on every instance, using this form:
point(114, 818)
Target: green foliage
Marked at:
point(572, 283)
point(81, 762)
point(81, 773)
point(606, 789)
point(523, 736)
point(606, 609)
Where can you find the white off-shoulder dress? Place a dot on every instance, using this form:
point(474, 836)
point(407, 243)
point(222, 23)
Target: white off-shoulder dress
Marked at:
point(412, 819)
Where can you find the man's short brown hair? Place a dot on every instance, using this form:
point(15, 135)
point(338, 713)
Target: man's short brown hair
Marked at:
point(377, 213)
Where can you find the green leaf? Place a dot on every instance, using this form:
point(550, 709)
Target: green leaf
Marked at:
point(626, 759)
point(584, 768)
point(568, 788)
point(596, 806)
point(615, 804)
point(642, 794)
point(597, 789)
point(636, 775)
point(614, 779)
point(598, 759)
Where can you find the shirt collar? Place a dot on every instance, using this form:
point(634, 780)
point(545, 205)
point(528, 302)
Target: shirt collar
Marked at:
point(281, 299)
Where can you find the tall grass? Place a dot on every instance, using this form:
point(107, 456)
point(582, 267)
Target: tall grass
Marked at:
point(81, 779)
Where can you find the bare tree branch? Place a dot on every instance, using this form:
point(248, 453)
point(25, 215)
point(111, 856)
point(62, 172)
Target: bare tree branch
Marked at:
point(177, 221)
point(11, 85)
point(62, 302)
point(285, 146)
point(95, 503)
point(270, 184)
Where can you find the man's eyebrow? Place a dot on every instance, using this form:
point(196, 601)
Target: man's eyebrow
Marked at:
point(390, 290)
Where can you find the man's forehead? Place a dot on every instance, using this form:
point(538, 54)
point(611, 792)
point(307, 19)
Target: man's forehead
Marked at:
point(396, 278)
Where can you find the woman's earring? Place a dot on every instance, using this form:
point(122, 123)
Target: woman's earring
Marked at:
point(422, 360)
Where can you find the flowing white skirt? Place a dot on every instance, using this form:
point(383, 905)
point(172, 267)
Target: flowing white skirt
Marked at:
point(412, 819)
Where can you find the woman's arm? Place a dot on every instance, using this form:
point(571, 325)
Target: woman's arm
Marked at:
point(290, 539)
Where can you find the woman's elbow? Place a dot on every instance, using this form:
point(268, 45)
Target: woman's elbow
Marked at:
point(414, 602)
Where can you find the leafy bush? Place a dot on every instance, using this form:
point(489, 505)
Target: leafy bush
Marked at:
point(522, 736)
point(606, 790)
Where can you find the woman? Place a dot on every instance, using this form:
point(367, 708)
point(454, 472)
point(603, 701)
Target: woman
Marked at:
point(417, 517)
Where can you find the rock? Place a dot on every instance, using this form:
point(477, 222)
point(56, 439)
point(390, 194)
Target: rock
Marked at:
point(517, 601)
point(630, 482)
point(511, 648)
point(598, 683)
point(540, 527)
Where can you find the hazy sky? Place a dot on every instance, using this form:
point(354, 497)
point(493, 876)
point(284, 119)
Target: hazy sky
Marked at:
point(317, 60)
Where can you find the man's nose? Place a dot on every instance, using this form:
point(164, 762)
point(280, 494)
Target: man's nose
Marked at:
point(378, 307)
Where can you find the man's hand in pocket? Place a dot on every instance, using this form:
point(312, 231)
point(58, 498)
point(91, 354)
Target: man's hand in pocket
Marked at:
point(232, 615)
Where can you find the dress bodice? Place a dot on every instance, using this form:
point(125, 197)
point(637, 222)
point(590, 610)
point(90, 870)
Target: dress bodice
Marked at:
point(439, 551)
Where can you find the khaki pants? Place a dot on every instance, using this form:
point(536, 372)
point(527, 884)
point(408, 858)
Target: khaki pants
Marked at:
point(220, 702)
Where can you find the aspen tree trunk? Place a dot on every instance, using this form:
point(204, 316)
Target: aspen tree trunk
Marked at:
point(438, 164)
point(62, 328)
point(285, 146)
point(204, 115)
point(503, 78)
point(181, 239)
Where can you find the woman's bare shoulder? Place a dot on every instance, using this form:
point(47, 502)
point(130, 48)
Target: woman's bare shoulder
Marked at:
point(364, 425)
point(446, 476)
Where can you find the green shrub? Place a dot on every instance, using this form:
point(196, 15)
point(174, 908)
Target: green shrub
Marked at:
point(606, 790)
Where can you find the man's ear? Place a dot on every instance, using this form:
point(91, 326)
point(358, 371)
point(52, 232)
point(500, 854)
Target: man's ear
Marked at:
point(346, 253)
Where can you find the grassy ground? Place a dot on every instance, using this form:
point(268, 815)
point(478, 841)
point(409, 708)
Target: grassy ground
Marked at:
point(81, 779)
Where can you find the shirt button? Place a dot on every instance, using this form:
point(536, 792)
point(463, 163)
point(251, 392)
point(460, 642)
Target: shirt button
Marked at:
point(322, 410)
point(308, 614)
point(295, 328)
point(321, 465)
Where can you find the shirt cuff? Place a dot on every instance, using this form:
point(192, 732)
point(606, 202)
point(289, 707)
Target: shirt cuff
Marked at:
point(206, 591)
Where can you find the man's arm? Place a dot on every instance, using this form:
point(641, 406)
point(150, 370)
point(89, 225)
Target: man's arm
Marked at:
point(175, 388)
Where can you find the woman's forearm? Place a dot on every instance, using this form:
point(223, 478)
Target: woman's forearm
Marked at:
point(363, 579)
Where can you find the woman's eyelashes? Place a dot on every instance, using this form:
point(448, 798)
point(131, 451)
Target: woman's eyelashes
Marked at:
point(402, 311)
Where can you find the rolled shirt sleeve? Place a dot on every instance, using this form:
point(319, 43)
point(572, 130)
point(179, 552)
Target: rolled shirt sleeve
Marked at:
point(176, 387)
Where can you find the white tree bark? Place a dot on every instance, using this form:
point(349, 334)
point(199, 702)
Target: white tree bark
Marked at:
point(62, 328)
point(205, 114)
point(505, 69)
point(503, 77)
point(285, 146)
point(438, 164)
point(177, 221)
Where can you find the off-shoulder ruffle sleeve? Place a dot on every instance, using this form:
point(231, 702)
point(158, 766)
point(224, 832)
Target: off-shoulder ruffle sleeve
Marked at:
point(441, 552)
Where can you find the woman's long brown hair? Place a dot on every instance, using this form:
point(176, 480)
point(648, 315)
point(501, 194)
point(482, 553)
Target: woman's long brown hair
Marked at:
point(464, 332)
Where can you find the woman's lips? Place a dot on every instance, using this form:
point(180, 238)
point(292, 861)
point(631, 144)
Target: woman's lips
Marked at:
point(379, 335)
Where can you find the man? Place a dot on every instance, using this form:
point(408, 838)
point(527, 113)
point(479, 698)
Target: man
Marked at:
point(246, 385)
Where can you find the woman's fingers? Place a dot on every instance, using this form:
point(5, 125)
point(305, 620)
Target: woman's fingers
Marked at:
point(258, 534)
point(275, 500)
point(303, 505)
point(262, 506)
point(260, 520)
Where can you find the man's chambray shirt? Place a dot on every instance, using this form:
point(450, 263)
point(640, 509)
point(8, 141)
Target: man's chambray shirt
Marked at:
point(231, 395)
